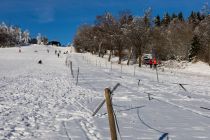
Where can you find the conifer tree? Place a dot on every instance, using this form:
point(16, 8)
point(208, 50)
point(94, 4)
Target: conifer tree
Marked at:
point(195, 48)
point(157, 21)
point(173, 16)
point(166, 19)
point(180, 16)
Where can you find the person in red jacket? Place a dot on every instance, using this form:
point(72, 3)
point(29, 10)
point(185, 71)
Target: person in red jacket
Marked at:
point(155, 63)
point(150, 63)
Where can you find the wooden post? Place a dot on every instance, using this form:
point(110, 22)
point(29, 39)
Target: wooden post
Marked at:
point(111, 65)
point(157, 74)
point(71, 69)
point(134, 71)
point(77, 76)
point(110, 114)
point(139, 82)
point(121, 69)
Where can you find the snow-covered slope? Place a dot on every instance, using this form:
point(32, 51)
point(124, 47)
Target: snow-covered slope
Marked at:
point(42, 101)
point(198, 68)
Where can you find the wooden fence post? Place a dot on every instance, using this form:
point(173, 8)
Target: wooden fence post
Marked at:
point(77, 76)
point(157, 74)
point(139, 82)
point(71, 69)
point(134, 71)
point(121, 69)
point(111, 65)
point(110, 114)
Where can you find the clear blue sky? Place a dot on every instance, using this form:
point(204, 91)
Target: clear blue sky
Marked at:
point(59, 19)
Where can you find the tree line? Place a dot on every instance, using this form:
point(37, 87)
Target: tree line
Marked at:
point(171, 37)
point(12, 36)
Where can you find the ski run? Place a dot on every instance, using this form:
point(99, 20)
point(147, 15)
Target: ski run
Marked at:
point(46, 102)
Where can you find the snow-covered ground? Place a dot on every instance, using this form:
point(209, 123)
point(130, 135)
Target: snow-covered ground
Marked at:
point(43, 102)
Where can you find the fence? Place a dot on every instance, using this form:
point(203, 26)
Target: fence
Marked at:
point(108, 95)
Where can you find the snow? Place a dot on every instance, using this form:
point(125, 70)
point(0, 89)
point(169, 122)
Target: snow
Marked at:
point(198, 67)
point(43, 102)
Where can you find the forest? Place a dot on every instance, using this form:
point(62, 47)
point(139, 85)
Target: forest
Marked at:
point(170, 37)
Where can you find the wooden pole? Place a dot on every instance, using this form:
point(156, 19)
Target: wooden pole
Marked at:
point(139, 82)
point(110, 114)
point(121, 69)
point(157, 74)
point(111, 65)
point(77, 76)
point(71, 69)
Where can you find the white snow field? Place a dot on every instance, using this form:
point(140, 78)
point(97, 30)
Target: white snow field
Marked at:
point(43, 102)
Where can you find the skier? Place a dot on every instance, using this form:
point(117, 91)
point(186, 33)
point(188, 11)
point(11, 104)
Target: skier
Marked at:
point(58, 55)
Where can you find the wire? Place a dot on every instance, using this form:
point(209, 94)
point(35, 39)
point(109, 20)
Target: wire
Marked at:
point(164, 134)
point(116, 122)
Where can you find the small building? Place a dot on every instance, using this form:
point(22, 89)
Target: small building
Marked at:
point(54, 43)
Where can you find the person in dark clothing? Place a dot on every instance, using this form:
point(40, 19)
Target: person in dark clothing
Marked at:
point(58, 55)
point(40, 62)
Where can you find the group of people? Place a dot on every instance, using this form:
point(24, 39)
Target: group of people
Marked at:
point(153, 62)
point(58, 53)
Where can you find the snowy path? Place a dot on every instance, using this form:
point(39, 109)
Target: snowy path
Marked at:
point(43, 102)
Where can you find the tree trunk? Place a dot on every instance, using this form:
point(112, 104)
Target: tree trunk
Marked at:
point(119, 52)
point(120, 56)
point(110, 55)
point(119, 61)
point(209, 55)
point(140, 55)
point(129, 56)
point(140, 60)
point(99, 50)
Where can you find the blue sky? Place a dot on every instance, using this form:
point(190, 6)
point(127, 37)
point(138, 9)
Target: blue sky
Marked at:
point(59, 19)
